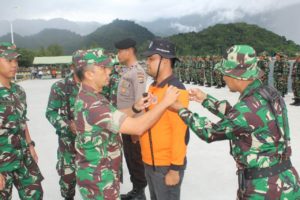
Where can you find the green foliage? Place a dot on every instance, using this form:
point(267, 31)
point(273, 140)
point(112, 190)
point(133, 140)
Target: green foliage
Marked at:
point(107, 35)
point(213, 40)
point(216, 39)
point(27, 55)
point(26, 58)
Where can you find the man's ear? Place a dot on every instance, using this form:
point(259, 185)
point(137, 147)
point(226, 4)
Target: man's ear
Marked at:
point(89, 75)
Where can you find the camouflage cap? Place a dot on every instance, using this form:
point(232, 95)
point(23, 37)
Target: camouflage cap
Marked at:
point(83, 58)
point(8, 50)
point(240, 62)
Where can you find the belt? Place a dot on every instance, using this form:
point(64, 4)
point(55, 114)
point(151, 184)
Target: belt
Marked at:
point(254, 173)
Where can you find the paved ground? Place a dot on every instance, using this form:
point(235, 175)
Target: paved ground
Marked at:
point(210, 173)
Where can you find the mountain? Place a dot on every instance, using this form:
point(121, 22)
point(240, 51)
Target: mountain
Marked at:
point(104, 36)
point(281, 21)
point(107, 35)
point(31, 27)
point(216, 39)
point(68, 40)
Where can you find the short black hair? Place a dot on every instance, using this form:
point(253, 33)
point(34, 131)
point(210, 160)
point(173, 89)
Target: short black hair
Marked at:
point(79, 73)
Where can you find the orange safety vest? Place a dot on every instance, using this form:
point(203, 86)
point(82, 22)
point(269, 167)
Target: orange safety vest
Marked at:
point(169, 134)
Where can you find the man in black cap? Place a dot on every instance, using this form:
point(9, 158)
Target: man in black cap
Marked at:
point(164, 145)
point(131, 87)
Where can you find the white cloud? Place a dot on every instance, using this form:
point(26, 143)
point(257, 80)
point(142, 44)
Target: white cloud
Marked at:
point(140, 10)
point(183, 28)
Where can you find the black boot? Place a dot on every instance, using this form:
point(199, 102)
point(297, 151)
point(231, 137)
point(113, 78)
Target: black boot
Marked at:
point(296, 102)
point(69, 198)
point(134, 194)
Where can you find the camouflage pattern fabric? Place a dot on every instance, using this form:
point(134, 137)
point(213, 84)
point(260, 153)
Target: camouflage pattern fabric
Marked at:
point(8, 50)
point(177, 70)
point(60, 111)
point(182, 70)
point(263, 64)
point(208, 72)
point(280, 76)
point(188, 71)
point(83, 58)
point(240, 62)
point(98, 145)
point(296, 79)
point(200, 72)
point(110, 91)
point(256, 142)
point(218, 75)
point(16, 163)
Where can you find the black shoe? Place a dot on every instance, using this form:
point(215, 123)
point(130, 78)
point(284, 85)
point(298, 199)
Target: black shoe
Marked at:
point(296, 102)
point(69, 198)
point(134, 194)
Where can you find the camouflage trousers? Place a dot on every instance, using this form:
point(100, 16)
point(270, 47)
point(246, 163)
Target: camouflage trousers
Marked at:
point(296, 89)
point(285, 185)
point(219, 78)
point(208, 77)
point(27, 179)
point(200, 76)
point(100, 182)
point(66, 165)
point(281, 85)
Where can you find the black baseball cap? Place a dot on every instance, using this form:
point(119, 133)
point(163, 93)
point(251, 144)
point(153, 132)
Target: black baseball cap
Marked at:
point(164, 48)
point(125, 43)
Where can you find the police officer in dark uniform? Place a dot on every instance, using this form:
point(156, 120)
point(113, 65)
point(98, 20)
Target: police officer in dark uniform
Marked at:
point(131, 87)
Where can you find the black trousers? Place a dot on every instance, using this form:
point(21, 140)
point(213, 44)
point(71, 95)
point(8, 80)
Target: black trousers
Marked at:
point(133, 157)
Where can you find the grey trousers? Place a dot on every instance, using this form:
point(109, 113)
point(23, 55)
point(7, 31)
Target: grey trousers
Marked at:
point(157, 187)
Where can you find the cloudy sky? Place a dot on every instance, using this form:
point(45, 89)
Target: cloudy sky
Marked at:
point(140, 10)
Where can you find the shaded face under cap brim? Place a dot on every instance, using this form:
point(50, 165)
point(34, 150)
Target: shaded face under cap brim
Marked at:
point(235, 74)
point(150, 53)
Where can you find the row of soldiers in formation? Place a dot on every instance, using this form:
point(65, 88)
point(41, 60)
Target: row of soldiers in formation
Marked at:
point(205, 71)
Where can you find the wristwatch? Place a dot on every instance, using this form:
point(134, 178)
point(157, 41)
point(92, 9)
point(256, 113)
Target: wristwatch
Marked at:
point(31, 143)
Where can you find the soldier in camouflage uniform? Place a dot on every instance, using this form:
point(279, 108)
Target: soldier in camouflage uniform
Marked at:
point(188, 70)
point(18, 161)
point(60, 113)
point(263, 64)
point(200, 71)
point(110, 91)
point(296, 82)
point(257, 128)
point(208, 71)
point(98, 124)
point(281, 72)
point(182, 69)
point(218, 74)
point(194, 75)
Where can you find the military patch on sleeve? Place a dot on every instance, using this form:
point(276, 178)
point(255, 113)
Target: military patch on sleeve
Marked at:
point(141, 77)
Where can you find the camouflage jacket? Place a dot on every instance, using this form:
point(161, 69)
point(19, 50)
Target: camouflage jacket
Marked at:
point(12, 122)
point(250, 125)
point(61, 102)
point(281, 68)
point(110, 91)
point(296, 71)
point(97, 122)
